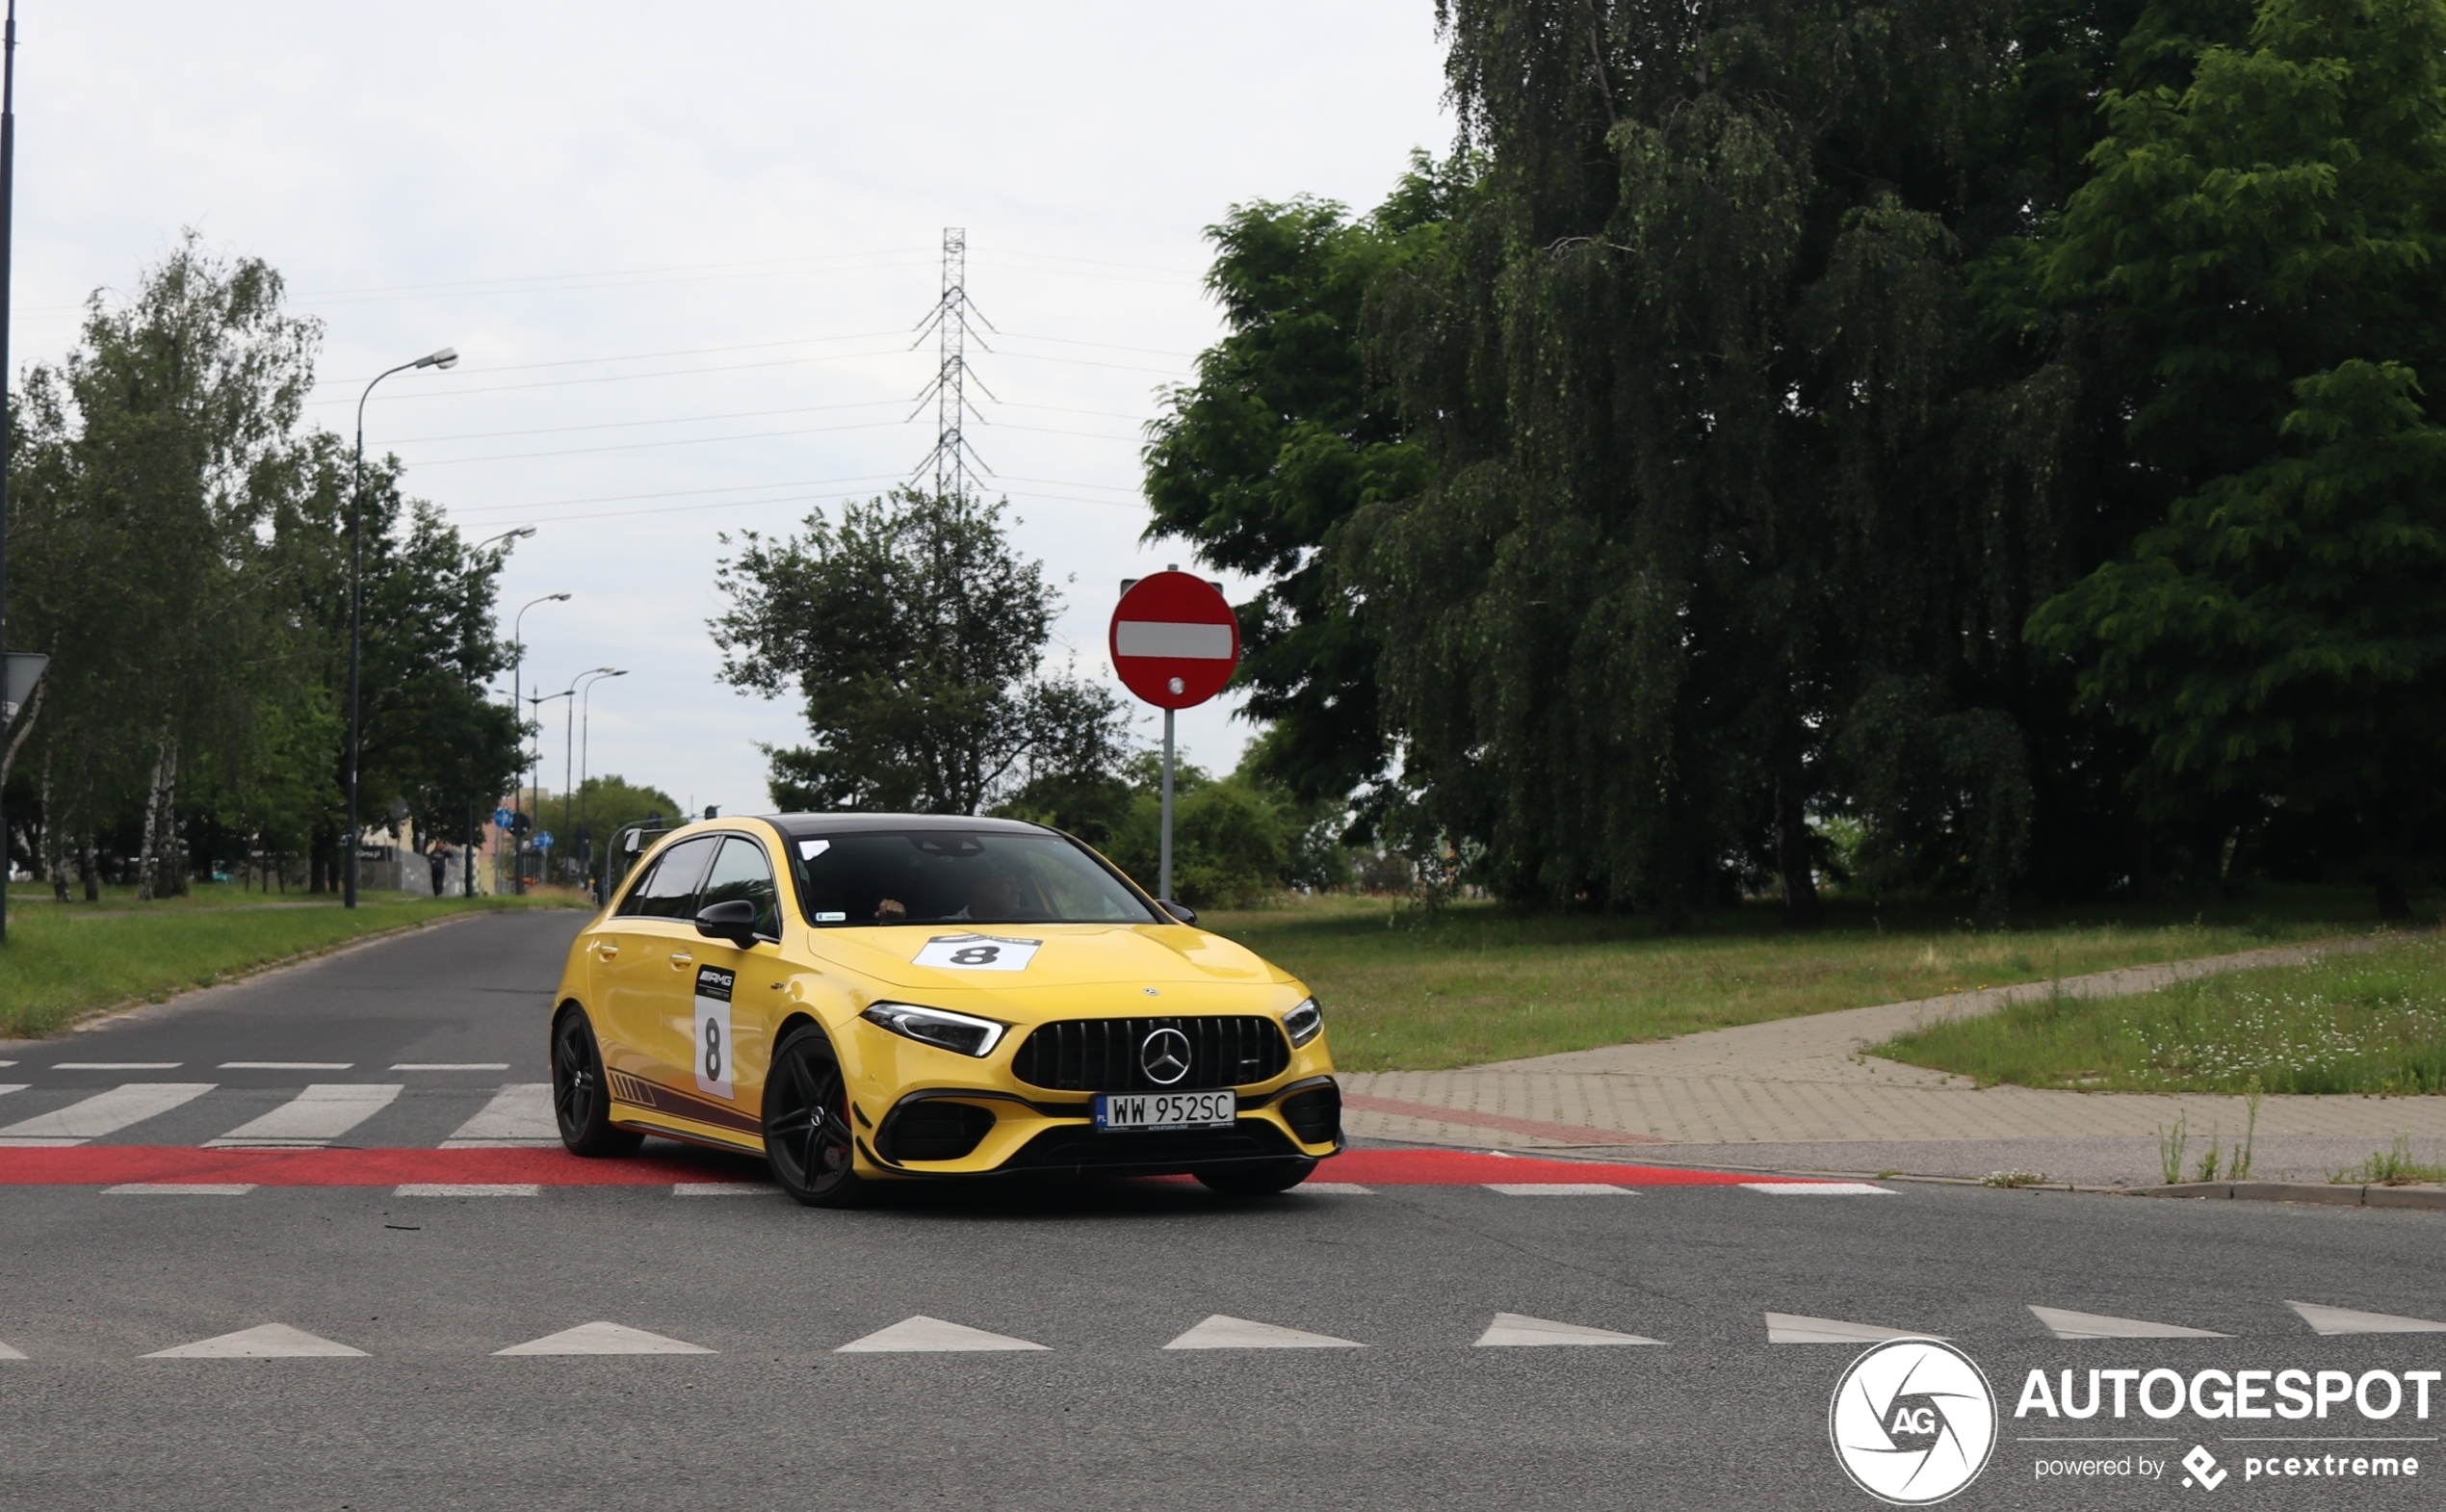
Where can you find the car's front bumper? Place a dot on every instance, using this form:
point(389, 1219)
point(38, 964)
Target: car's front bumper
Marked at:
point(1051, 1134)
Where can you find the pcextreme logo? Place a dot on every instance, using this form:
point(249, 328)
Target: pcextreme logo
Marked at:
point(1913, 1422)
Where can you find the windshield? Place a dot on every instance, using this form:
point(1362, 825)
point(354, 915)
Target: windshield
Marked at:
point(937, 877)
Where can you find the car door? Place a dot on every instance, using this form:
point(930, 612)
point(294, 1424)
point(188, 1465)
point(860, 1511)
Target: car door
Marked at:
point(729, 1029)
point(651, 968)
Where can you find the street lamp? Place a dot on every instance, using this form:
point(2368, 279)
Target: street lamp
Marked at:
point(444, 359)
point(517, 666)
point(534, 764)
point(467, 857)
point(587, 859)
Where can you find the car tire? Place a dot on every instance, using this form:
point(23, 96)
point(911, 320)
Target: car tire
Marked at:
point(808, 1142)
point(1257, 1181)
point(581, 1101)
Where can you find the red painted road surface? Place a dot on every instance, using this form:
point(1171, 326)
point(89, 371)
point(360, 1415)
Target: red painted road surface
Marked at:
point(110, 1164)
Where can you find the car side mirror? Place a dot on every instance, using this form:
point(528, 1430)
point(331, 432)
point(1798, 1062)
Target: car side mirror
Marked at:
point(734, 921)
point(1180, 911)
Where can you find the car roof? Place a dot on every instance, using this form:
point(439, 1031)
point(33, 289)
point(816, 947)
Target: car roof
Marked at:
point(807, 826)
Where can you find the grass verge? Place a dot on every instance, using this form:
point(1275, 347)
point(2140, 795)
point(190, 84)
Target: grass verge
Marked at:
point(2373, 1022)
point(1406, 989)
point(2397, 1168)
point(67, 962)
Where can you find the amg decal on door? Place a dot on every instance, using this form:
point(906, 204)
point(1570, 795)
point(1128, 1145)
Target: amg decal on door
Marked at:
point(713, 1030)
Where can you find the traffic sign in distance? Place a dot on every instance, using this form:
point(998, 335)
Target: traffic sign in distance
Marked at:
point(1174, 639)
point(501, 819)
point(544, 842)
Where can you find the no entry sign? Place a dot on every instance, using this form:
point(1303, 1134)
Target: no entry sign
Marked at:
point(1174, 639)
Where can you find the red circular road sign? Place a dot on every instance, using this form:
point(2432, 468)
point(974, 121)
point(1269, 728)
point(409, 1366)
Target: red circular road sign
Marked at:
point(1174, 639)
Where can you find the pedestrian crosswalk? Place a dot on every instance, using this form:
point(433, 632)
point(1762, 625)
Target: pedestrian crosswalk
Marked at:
point(315, 1117)
point(319, 1115)
point(924, 1334)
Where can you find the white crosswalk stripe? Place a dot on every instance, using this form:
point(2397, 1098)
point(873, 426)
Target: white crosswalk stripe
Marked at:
point(179, 1189)
point(316, 1116)
point(724, 1189)
point(6, 1087)
point(1336, 1188)
point(518, 1117)
point(2067, 1325)
point(468, 1190)
point(1559, 1190)
point(104, 1113)
point(6, 1353)
point(1817, 1189)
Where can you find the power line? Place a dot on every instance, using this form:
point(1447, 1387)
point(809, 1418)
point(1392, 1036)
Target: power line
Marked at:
point(650, 356)
point(645, 446)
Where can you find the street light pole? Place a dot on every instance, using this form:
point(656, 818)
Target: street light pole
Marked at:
point(534, 764)
point(517, 665)
point(584, 710)
point(444, 359)
point(473, 825)
point(8, 198)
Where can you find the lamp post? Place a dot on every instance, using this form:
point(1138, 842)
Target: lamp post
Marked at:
point(467, 857)
point(444, 359)
point(534, 763)
point(568, 721)
point(517, 665)
point(587, 859)
point(7, 197)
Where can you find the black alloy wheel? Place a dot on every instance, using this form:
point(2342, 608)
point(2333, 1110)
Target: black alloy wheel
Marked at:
point(580, 1101)
point(807, 1137)
point(1257, 1181)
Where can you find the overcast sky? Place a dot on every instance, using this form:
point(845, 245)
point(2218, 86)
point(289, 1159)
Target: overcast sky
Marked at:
point(681, 248)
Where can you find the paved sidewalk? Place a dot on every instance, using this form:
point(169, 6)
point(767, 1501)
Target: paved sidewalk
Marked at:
point(1799, 1094)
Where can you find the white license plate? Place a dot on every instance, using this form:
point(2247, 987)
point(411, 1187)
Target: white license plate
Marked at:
point(1165, 1110)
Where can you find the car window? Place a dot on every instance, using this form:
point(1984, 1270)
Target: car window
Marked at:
point(937, 877)
point(669, 889)
point(742, 872)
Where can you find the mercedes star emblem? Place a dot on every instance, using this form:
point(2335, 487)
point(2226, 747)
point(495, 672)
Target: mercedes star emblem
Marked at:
point(1165, 1056)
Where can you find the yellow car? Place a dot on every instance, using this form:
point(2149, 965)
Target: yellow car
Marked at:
point(864, 998)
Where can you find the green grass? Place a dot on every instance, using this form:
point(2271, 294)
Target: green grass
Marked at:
point(1409, 990)
point(64, 962)
point(2372, 1022)
point(2397, 1168)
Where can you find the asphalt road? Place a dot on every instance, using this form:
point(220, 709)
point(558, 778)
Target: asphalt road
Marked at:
point(1102, 1277)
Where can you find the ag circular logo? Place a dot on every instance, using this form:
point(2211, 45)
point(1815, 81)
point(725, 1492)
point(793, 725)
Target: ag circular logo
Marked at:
point(1913, 1422)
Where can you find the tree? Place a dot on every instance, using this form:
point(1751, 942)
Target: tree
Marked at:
point(606, 803)
point(915, 640)
point(2264, 237)
point(154, 461)
point(1729, 460)
point(1281, 438)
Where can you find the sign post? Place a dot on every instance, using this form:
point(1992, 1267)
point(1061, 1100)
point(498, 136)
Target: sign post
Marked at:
point(1174, 643)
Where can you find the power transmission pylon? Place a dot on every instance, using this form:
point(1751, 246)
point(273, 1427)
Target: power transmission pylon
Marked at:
point(949, 321)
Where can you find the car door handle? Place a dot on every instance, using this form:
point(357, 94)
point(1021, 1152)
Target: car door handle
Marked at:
point(605, 950)
point(681, 958)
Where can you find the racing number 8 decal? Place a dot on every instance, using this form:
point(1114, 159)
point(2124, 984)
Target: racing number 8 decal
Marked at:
point(976, 956)
point(711, 1049)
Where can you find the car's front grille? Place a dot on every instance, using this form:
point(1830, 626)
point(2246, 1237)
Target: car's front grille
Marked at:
point(1108, 1054)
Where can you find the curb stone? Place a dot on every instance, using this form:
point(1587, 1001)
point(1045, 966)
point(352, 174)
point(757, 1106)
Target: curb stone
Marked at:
point(2328, 1192)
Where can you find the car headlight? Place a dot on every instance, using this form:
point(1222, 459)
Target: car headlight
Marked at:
point(939, 1027)
point(1303, 1022)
